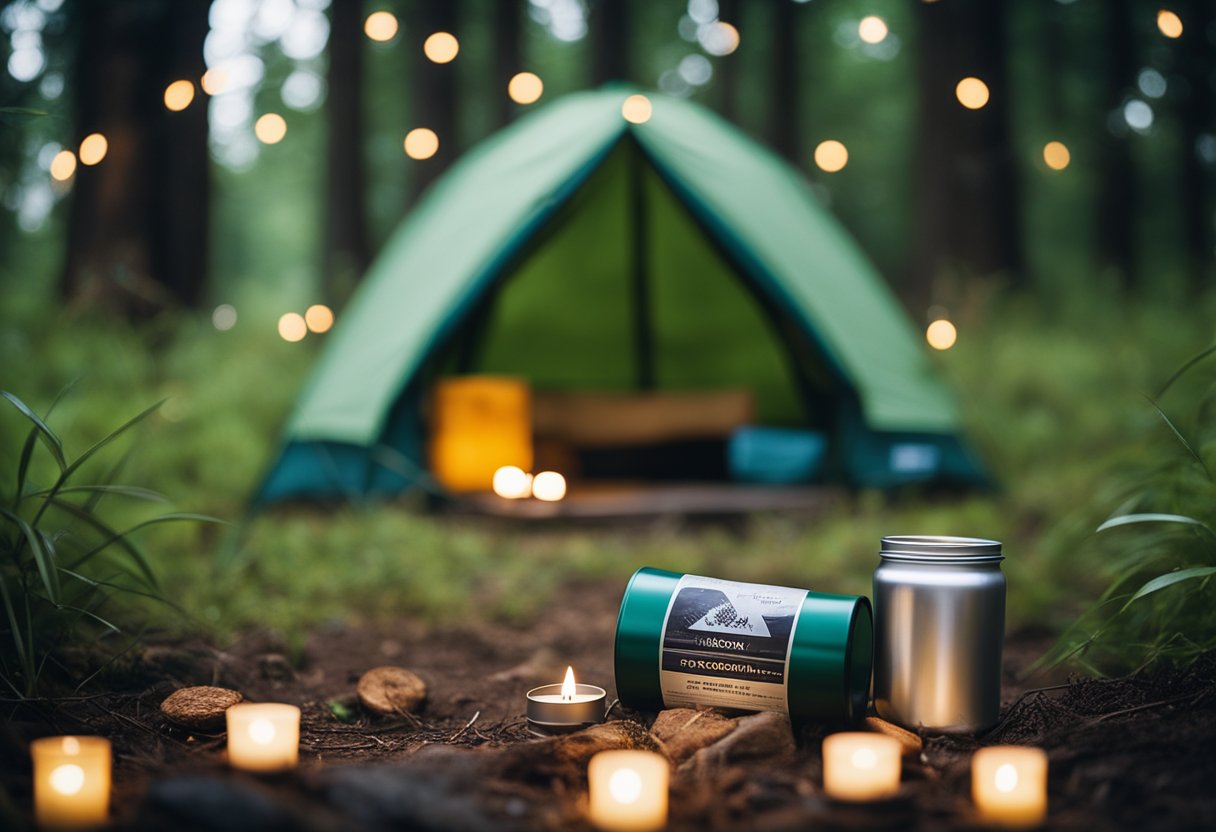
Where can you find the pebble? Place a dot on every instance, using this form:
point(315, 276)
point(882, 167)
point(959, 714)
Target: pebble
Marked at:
point(200, 707)
point(391, 690)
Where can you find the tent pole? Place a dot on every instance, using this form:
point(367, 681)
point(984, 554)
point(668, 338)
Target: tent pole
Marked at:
point(640, 227)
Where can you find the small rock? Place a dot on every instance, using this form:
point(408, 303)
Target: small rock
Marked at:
point(274, 667)
point(199, 707)
point(391, 690)
point(684, 731)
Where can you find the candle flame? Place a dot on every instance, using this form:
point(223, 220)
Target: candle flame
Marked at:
point(262, 731)
point(68, 779)
point(1006, 778)
point(568, 688)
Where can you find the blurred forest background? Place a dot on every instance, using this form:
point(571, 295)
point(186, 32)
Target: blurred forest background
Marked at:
point(252, 161)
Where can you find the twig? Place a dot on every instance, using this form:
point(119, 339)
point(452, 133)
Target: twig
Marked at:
point(1146, 707)
point(466, 727)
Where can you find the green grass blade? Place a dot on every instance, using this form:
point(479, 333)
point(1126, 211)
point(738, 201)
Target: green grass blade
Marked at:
point(130, 590)
point(53, 443)
point(1169, 579)
point(1185, 444)
point(11, 613)
point(23, 466)
point(123, 490)
point(122, 538)
point(1130, 519)
point(115, 434)
point(91, 503)
point(43, 558)
point(1182, 370)
point(107, 624)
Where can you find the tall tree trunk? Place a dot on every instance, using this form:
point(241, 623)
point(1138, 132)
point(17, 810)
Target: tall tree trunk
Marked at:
point(1196, 115)
point(138, 222)
point(1116, 234)
point(610, 41)
point(347, 251)
point(785, 110)
point(508, 56)
point(968, 207)
point(435, 89)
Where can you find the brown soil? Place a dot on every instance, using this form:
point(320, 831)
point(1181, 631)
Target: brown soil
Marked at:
point(1132, 753)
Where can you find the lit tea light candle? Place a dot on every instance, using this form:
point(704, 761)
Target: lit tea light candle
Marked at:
point(859, 766)
point(263, 736)
point(628, 791)
point(71, 781)
point(560, 709)
point(1009, 785)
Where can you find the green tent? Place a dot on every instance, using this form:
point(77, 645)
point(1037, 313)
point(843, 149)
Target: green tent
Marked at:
point(585, 252)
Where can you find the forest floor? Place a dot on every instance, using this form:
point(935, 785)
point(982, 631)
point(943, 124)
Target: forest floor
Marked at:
point(1131, 753)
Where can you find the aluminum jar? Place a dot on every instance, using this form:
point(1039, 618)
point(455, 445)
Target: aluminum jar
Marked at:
point(939, 610)
point(686, 640)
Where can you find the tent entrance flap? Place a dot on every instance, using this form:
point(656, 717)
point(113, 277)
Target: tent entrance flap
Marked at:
point(639, 223)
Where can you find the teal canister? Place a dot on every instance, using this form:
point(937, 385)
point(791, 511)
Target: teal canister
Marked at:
point(688, 640)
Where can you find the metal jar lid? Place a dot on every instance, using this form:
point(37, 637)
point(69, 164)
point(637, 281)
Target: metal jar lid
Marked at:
point(939, 548)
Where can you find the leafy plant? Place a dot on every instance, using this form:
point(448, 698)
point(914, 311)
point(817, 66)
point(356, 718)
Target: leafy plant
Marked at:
point(1160, 547)
point(60, 559)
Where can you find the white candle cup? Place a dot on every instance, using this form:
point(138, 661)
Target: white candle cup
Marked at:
point(71, 782)
point(1009, 785)
point(858, 766)
point(561, 709)
point(628, 791)
point(263, 736)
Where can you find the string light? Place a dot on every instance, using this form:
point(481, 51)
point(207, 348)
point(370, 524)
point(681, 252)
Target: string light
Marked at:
point(214, 81)
point(1169, 24)
point(270, 128)
point(421, 143)
point(941, 334)
point(972, 93)
point(63, 166)
point(831, 156)
point(380, 26)
point(178, 95)
point(223, 317)
point(319, 318)
point(525, 88)
point(93, 149)
point(1056, 155)
point(872, 29)
point(292, 327)
point(636, 109)
point(441, 47)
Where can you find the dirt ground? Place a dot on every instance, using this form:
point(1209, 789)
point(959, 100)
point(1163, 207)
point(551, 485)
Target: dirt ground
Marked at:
point(1133, 753)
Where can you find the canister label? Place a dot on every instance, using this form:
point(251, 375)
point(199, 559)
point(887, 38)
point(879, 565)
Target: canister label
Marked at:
point(727, 644)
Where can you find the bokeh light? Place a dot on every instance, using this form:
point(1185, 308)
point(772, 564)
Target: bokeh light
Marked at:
point(223, 317)
point(93, 149)
point(421, 143)
point(270, 128)
point(380, 26)
point(178, 95)
point(292, 327)
point(63, 166)
point(718, 38)
point(1056, 155)
point(441, 47)
point(972, 93)
point(941, 334)
point(215, 81)
point(872, 29)
point(319, 318)
point(525, 88)
point(831, 156)
point(1169, 23)
point(512, 483)
point(549, 486)
point(636, 109)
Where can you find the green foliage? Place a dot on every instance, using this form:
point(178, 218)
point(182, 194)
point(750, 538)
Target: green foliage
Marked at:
point(1160, 553)
point(60, 558)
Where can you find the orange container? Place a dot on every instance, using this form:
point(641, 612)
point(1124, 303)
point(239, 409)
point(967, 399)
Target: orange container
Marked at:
point(478, 425)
